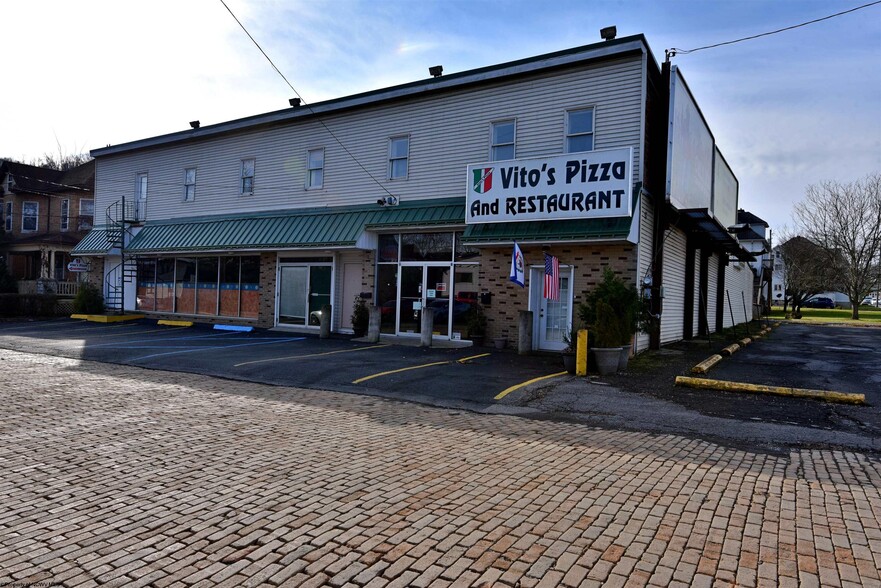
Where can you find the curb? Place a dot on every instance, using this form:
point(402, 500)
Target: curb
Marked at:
point(829, 396)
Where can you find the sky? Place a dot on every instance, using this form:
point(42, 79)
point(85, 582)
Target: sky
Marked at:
point(787, 110)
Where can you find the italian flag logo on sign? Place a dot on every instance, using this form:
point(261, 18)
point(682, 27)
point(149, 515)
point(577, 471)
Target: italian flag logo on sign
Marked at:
point(483, 180)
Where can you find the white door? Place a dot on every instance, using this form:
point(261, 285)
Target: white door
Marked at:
point(351, 289)
point(551, 318)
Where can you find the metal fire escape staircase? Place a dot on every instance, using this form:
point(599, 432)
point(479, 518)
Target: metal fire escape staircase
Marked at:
point(122, 215)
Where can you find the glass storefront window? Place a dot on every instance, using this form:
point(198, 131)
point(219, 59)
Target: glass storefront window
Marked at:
point(388, 248)
point(229, 286)
point(465, 252)
point(165, 285)
point(386, 296)
point(250, 300)
point(146, 294)
point(206, 286)
point(185, 286)
point(427, 247)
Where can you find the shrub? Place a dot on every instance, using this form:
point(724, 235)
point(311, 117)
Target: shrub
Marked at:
point(88, 300)
point(360, 317)
point(624, 301)
point(8, 285)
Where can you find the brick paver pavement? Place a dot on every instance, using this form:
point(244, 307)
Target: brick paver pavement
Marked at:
point(119, 476)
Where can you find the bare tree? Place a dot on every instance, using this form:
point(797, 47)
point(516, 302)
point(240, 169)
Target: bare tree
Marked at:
point(844, 219)
point(61, 161)
point(806, 272)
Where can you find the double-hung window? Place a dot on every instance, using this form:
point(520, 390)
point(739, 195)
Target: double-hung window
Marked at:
point(315, 169)
point(30, 213)
point(189, 184)
point(7, 217)
point(579, 130)
point(503, 139)
point(65, 214)
point(398, 156)
point(87, 214)
point(248, 176)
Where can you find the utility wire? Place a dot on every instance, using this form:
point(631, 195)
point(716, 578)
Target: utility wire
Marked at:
point(305, 104)
point(674, 51)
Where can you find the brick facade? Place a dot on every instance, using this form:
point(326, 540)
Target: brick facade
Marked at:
point(508, 299)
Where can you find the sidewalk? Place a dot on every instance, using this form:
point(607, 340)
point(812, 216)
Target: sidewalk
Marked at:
point(120, 476)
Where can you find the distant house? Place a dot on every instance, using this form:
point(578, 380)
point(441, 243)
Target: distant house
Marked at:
point(754, 234)
point(43, 214)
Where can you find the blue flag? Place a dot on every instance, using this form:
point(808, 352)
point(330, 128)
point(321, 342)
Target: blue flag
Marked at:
point(518, 265)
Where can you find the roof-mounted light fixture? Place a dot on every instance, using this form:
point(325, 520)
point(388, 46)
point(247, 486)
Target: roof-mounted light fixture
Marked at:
point(194, 124)
point(609, 33)
point(295, 102)
point(436, 71)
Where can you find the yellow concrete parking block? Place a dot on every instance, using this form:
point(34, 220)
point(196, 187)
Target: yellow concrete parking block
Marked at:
point(107, 318)
point(830, 396)
point(731, 349)
point(175, 323)
point(706, 364)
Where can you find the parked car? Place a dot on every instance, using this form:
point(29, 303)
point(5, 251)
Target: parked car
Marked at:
point(819, 302)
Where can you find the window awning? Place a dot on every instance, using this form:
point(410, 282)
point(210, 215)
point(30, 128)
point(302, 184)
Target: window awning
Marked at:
point(292, 229)
point(98, 241)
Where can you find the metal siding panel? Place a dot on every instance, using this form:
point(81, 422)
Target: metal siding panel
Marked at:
point(695, 321)
point(712, 278)
point(673, 304)
point(645, 254)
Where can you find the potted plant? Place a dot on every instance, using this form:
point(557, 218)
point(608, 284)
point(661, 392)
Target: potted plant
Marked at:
point(615, 312)
point(360, 317)
point(475, 323)
point(608, 338)
point(570, 338)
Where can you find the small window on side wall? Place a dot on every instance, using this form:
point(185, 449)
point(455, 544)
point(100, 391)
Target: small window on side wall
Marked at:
point(189, 184)
point(399, 155)
point(579, 130)
point(65, 214)
point(503, 140)
point(248, 166)
point(315, 169)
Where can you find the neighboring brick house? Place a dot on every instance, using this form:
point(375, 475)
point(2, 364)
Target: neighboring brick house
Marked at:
point(45, 212)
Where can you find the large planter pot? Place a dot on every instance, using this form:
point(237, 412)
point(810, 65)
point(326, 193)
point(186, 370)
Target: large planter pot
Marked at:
point(569, 362)
point(500, 342)
point(623, 358)
point(607, 359)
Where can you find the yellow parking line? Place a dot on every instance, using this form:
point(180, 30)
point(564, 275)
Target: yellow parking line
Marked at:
point(415, 367)
point(507, 391)
point(464, 359)
point(308, 355)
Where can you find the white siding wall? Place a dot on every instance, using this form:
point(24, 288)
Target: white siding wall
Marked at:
point(447, 132)
point(739, 288)
point(695, 321)
point(712, 280)
point(343, 308)
point(644, 248)
point(673, 306)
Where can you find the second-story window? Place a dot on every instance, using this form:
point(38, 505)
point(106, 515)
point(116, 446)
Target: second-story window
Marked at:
point(579, 130)
point(189, 184)
point(315, 169)
point(65, 214)
point(87, 214)
point(398, 156)
point(503, 133)
point(7, 217)
point(10, 183)
point(30, 214)
point(248, 166)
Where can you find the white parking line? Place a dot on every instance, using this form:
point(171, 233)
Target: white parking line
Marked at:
point(221, 347)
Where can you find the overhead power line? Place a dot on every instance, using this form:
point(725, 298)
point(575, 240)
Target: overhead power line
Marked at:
point(305, 104)
point(676, 51)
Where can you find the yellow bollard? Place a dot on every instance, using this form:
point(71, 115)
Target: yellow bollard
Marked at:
point(581, 353)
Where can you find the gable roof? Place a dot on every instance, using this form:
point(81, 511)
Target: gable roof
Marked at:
point(745, 217)
point(32, 179)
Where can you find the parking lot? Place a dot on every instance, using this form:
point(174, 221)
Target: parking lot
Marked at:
point(447, 377)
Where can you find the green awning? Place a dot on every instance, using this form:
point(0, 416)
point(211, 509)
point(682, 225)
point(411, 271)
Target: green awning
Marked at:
point(98, 241)
point(305, 228)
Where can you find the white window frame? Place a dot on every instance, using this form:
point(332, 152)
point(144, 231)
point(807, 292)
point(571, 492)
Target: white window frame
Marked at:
point(492, 137)
point(310, 184)
point(242, 189)
point(141, 186)
point(189, 187)
point(35, 216)
point(7, 218)
point(405, 159)
point(65, 214)
point(10, 182)
point(591, 134)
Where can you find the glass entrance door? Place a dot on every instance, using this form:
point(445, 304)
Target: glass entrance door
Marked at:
point(424, 286)
point(554, 317)
point(303, 290)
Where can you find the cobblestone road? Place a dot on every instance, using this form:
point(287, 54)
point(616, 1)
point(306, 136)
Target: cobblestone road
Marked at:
point(119, 476)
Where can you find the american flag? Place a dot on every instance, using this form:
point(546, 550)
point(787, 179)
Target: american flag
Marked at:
point(552, 277)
